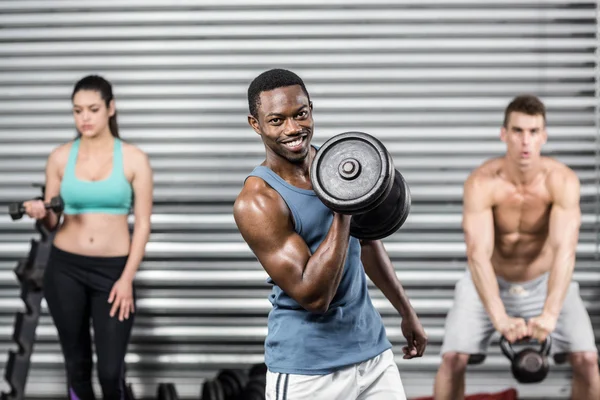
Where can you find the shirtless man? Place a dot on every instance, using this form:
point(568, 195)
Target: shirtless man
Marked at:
point(521, 220)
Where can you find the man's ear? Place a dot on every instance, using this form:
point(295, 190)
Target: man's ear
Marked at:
point(253, 122)
point(503, 134)
point(544, 135)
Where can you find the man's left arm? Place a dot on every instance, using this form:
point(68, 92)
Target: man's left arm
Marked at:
point(565, 221)
point(380, 270)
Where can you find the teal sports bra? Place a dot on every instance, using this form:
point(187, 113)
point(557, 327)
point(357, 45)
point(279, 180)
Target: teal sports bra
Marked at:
point(112, 195)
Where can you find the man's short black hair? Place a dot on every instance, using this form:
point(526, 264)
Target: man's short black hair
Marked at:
point(527, 104)
point(269, 80)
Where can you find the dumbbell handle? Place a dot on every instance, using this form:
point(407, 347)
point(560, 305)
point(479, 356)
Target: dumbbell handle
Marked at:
point(54, 204)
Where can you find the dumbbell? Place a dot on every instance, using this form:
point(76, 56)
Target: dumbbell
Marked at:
point(257, 381)
point(212, 390)
point(16, 210)
point(353, 173)
point(528, 365)
point(166, 391)
point(228, 385)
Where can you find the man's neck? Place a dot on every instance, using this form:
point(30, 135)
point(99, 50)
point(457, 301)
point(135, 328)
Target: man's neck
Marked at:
point(287, 170)
point(521, 176)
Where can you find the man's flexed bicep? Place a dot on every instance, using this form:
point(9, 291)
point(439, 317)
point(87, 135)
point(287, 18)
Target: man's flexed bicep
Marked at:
point(310, 279)
point(268, 232)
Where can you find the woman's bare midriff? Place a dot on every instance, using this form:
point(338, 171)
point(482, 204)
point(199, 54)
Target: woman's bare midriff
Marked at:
point(98, 235)
point(520, 257)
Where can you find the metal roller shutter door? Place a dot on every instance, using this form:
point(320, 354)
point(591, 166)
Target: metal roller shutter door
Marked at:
point(429, 78)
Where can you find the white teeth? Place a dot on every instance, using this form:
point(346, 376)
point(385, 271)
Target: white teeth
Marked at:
point(294, 143)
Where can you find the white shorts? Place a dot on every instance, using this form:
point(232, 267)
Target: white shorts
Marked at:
point(374, 379)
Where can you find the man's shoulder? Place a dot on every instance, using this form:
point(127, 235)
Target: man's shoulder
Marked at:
point(485, 174)
point(253, 190)
point(556, 167)
point(560, 176)
point(256, 197)
point(480, 185)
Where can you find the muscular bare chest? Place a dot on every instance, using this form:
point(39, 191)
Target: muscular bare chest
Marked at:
point(523, 211)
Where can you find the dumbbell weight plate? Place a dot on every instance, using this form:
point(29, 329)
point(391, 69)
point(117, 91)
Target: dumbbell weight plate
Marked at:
point(257, 370)
point(255, 390)
point(167, 391)
point(21, 268)
point(232, 382)
point(212, 390)
point(57, 204)
point(352, 173)
point(15, 210)
point(388, 217)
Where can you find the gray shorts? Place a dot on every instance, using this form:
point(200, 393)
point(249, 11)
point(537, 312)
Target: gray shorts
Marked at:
point(468, 328)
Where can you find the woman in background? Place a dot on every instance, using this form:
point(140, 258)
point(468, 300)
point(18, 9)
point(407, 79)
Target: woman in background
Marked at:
point(94, 258)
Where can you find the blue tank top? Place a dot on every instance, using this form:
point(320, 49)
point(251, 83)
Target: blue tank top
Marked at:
point(351, 331)
point(112, 195)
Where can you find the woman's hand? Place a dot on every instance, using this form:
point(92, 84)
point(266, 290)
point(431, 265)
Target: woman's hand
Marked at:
point(35, 209)
point(121, 297)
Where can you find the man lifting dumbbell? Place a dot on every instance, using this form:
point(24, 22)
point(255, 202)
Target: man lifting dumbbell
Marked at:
point(325, 338)
point(521, 219)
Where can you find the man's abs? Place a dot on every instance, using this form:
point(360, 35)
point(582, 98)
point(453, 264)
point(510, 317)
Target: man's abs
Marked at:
point(521, 257)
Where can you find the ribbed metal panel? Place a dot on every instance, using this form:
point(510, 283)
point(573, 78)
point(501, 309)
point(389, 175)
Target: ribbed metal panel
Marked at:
point(430, 78)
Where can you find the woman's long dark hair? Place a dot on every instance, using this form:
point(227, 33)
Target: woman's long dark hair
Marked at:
point(102, 86)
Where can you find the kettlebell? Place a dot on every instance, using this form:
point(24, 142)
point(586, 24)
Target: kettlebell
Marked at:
point(529, 365)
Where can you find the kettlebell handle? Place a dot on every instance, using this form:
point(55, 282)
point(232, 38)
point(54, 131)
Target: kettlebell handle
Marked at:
point(509, 352)
point(507, 349)
point(546, 345)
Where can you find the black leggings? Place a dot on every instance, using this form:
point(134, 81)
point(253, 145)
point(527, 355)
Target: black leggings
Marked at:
point(76, 288)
